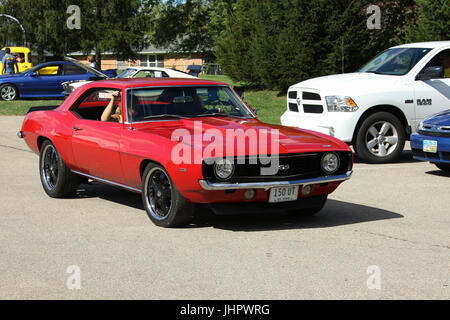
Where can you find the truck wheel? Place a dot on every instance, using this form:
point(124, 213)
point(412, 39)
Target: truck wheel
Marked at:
point(380, 138)
point(57, 179)
point(164, 204)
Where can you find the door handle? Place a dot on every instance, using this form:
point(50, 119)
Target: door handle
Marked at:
point(77, 128)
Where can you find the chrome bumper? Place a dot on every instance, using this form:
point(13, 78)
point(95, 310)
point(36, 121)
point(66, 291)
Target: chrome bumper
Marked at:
point(273, 184)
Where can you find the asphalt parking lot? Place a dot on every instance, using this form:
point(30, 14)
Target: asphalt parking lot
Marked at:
point(392, 220)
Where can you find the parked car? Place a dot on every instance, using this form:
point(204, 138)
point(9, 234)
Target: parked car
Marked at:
point(432, 142)
point(132, 72)
point(173, 147)
point(377, 108)
point(153, 72)
point(44, 80)
point(23, 52)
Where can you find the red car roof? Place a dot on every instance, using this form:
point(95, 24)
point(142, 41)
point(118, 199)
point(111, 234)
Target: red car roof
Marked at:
point(144, 82)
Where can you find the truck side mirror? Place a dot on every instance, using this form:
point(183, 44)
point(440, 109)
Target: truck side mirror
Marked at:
point(431, 73)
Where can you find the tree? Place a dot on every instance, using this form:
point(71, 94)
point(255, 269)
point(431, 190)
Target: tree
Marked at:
point(274, 44)
point(116, 25)
point(432, 21)
point(105, 25)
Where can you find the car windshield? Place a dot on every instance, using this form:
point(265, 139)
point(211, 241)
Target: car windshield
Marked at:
point(396, 61)
point(127, 73)
point(144, 104)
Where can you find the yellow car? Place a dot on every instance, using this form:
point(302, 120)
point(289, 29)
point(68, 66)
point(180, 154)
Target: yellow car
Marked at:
point(23, 55)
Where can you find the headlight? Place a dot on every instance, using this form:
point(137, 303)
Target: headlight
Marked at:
point(420, 126)
point(341, 104)
point(330, 163)
point(223, 169)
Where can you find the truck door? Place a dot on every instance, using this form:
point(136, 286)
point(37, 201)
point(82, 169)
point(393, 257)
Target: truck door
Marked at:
point(431, 96)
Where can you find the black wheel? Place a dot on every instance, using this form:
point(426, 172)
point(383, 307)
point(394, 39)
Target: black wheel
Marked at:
point(8, 92)
point(56, 178)
point(444, 167)
point(164, 204)
point(381, 138)
point(319, 203)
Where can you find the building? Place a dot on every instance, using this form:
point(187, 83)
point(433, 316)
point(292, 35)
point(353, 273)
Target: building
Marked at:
point(148, 57)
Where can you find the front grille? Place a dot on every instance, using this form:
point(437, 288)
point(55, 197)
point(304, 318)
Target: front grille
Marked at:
point(311, 96)
point(312, 108)
point(301, 166)
point(293, 107)
point(434, 133)
point(292, 94)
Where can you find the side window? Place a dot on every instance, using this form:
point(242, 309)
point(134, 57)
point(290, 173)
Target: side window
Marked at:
point(72, 69)
point(145, 74)
point(92, 104)
point(442, 59)
point(49, 70)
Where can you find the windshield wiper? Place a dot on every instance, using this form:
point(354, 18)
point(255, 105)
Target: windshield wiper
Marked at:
point(165, 116)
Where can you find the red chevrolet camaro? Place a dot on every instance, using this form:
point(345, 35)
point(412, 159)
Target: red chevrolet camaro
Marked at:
point(180, 143)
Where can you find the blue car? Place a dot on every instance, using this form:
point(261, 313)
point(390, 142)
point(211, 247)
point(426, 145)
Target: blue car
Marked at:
point(45, 80)
point(432, 142)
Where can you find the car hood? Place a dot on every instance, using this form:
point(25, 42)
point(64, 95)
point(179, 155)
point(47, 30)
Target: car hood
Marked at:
point(440, 119)
point(288, 139)
point(343, 83)
point(87, 68)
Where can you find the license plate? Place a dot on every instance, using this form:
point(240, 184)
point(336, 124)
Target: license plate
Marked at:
point(283, 194)
point(430, 146)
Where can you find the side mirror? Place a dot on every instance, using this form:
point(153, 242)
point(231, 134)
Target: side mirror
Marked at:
point(431, 73)
point(33, 74)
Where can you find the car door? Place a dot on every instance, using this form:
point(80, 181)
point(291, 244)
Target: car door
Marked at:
point(43, 82)
point(431, 96)
point(96, 144)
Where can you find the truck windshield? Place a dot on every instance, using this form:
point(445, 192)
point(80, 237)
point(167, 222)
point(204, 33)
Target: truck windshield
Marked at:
point(396, 61)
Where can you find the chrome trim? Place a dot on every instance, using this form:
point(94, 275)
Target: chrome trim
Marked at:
point(434, 128)
point(272, 184)
point(107, 181)
point(20, 134)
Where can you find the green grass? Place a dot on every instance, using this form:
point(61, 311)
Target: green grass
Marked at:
point(269, 104)
point(20, 107)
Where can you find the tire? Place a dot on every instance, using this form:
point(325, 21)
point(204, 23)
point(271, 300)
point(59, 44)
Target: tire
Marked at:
point(309, 212)
point(443, 167)
point(381, 138)
point(8, 92)
point(164, 204)
point(56, 178)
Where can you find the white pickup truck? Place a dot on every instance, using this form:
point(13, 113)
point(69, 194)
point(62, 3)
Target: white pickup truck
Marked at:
point(377, 108)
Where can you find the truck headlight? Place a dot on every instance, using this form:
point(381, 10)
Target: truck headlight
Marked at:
point(341, 104)
point(223, 169)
